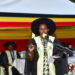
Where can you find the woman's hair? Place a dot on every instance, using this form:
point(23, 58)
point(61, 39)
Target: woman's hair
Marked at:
point(48, 22)
point(6, 45)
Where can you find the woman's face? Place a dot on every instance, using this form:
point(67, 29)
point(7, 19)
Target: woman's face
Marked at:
point(10, 47)
point(43, 29)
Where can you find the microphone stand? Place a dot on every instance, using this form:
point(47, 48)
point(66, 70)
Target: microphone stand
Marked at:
point(63, 49)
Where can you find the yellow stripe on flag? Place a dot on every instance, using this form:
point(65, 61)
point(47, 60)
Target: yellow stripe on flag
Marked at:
point(30, 19)
point(25, 33)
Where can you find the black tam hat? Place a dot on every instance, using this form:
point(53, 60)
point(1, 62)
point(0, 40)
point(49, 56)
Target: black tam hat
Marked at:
point(50, 24)
point(9, 43)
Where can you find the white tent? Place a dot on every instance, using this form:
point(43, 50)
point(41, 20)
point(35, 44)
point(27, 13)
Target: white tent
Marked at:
point(38, 6)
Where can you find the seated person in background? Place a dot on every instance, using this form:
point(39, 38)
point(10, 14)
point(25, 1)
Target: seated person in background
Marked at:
point(8, 57)
point(70, 47)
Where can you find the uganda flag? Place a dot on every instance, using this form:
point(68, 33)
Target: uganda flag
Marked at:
point(17, 27)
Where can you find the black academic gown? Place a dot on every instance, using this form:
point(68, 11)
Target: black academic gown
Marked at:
point(0, 60)
point(31, 66)
point(4, 59)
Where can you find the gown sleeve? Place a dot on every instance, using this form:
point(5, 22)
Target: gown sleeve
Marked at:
point(57, 50)
point(61, 65)
point(4, 59)
point(31, 66)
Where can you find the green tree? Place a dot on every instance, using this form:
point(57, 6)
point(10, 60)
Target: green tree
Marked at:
point(72, 1)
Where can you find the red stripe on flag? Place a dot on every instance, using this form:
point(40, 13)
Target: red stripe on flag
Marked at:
point(28, 24)
point(65, 23)
point(15, 24)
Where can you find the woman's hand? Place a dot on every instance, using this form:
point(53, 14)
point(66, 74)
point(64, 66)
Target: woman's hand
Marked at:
point(57, 59)
point(8, 65)
point(31, 48)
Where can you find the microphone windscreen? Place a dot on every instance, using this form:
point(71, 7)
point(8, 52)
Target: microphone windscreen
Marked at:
point(44, 35)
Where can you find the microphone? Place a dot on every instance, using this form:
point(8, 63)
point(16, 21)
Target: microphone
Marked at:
point(45, 36)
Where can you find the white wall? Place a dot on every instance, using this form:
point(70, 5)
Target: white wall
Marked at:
point(38, 6)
